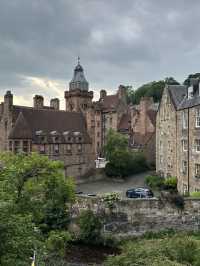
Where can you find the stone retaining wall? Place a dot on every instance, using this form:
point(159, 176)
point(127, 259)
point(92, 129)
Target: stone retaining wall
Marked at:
point(137, 216)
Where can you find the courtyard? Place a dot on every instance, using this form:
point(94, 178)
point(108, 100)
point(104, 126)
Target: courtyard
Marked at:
point(109, 185)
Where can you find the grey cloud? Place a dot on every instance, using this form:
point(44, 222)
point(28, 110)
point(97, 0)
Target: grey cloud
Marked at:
point(131, 41)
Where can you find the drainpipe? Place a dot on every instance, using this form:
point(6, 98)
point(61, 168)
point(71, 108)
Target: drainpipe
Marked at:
point(188, 152)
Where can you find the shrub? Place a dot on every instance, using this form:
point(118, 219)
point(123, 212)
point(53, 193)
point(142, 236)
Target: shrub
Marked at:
point(195, 194)
point(110, 199)
point(57, 242)
point(154, 182)
point(170, 183)
point(90, 227)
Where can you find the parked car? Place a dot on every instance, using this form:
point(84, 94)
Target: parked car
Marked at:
point(139, 193)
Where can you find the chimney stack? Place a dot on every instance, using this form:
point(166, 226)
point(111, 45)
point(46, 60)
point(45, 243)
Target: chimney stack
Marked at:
point(38, 102)
point(102, 94)
point(55, 103)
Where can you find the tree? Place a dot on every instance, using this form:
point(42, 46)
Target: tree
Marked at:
point(34, 194)
point(152, 89)
point(122, 161)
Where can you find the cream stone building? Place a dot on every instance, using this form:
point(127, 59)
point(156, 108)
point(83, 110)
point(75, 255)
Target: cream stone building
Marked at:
point(178, 135)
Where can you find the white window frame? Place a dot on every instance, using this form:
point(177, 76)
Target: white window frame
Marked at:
point(184, 167)
point(184, 120)
point(197, 145)
point(184, 144)
point(197, 170)
point(197, 118)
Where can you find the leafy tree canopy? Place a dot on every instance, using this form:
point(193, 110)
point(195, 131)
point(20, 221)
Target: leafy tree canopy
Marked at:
point(152, 89)
point(33, 201)
point(122, 161)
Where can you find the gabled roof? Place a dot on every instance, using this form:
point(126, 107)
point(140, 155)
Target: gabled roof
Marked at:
point(21, 129)
point(124, 123)
point(32, 120)
point(177, 93)
point(110, 102)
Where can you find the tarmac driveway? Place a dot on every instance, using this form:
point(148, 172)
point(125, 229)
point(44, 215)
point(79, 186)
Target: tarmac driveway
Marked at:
point(111, 185)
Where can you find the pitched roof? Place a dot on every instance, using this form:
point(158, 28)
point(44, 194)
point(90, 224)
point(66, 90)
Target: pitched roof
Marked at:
point(187, 103)
point(124, 123)
point(142, 140)
point(48, 120)
point(177, 93)
point(21, 129)
point(110, 102)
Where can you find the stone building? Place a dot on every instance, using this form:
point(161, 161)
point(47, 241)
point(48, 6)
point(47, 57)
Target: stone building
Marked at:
point(177, 135)
point(77, 135)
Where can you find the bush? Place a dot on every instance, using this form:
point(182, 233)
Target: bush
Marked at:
point(110, 199)
point(90, 227)
point(170, 183)
point(57, 242)
point(154, 182)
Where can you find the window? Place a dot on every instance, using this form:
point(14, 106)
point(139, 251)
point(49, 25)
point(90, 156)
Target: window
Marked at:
point(161, 159)
point(42, 149)
point(110, 120)
point(197, 145)
point(198, 117)
point(197, 170)
point(98, 134)
point(184, 119)
point(56, 148)
point(17, 146)
point(80, 148)
point(69, 147)
point(184, 145)
point(98, 124)
point(184, 167)
point(25, 146)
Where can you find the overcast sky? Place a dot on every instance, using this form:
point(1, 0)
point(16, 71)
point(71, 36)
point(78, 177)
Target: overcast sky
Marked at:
point(127, 42)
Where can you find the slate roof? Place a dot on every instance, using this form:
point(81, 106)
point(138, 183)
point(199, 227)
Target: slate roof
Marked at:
point(124, 124)
point(110, 102)
point(179, 97)
point(177, 93)
point(30, 120)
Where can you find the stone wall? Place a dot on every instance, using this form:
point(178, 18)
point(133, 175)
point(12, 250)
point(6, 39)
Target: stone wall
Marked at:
point(137, 216)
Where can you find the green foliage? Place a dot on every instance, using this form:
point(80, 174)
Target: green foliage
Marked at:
point(152, 89)
point(110, 199)
point(33, 200)
point(170, 183)
point(154, 182)
point(175, 250)
point(195, 194)
point(157, 182)
point(18, 237)
point(58, 241)
point(122, 161)
point(90, 227)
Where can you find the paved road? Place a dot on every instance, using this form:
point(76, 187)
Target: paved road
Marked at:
point(108, 185)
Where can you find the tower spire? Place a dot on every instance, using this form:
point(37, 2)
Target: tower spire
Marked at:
point(78, 60)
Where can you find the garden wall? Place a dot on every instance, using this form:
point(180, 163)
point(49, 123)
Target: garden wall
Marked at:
point(137, 216)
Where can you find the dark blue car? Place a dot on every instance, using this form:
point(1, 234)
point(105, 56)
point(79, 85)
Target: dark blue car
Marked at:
point(139, 193)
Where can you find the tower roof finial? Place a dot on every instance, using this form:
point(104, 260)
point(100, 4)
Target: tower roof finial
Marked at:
point(78, 60)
